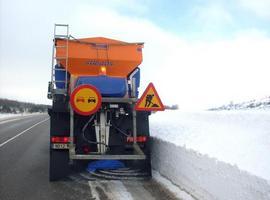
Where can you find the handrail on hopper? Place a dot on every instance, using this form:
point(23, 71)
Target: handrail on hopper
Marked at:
point(94, 43)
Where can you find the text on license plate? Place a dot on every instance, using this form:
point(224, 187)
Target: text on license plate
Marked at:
point(60, 146)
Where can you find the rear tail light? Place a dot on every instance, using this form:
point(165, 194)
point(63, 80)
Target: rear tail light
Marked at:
point(62, 139)
point(137, 139)
point(86, 149)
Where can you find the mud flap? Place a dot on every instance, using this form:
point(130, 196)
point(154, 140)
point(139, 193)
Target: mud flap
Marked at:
point(59, 164)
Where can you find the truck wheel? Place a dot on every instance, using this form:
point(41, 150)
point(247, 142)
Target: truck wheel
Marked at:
point(147, 162)
point(143, 165)
point(59, 164)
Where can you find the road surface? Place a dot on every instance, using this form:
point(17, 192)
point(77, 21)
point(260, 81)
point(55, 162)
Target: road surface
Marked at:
point(24, 161)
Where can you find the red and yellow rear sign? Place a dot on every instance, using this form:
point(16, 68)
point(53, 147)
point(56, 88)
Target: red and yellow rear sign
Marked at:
point(85, 100)
point(150, 100)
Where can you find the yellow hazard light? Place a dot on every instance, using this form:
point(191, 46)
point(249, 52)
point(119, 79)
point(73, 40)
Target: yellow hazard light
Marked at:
point(103, 70)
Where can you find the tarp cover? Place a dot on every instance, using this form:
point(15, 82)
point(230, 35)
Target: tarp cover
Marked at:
point(104, 164)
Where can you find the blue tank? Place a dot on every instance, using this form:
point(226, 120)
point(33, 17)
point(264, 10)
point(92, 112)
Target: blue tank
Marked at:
point(108, 86)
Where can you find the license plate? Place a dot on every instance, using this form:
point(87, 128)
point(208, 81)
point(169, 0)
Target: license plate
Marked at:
point(60, 146)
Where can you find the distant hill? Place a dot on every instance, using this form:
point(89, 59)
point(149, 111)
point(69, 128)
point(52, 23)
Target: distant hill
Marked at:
point(12, 106)
point(263, 103)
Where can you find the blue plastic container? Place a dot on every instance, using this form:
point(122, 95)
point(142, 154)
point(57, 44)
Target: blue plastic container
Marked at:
point(108, 86)
point(60, 76)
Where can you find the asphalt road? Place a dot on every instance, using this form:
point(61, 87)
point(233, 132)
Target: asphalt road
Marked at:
point(24, 161)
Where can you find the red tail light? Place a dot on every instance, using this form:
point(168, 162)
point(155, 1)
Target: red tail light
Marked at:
point(57, 139)
point(137, 139)
point(86, 149)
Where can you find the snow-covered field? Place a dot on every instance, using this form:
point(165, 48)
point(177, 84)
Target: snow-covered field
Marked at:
point(240, 138)
point(205, 178)
point(214, 154)
point(6, 117)
point(9, 115)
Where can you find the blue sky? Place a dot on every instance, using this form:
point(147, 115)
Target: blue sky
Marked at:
point(198, 53)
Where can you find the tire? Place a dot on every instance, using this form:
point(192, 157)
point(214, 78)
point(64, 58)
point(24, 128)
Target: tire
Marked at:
point(146, 164)
point(143, 127)
point(147, 161)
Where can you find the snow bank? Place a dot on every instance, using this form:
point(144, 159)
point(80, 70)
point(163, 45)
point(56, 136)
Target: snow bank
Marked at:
point(204, 177)
point(178, 192)
point(9, 115)
point(240, 138)
point(5, 116)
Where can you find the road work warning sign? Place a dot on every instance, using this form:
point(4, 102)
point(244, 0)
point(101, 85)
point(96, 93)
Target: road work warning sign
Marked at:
point(85, 100)
point(150, 100)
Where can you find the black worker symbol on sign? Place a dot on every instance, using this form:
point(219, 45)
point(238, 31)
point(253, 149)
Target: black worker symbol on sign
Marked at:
point(91, 99)
point(148, 101)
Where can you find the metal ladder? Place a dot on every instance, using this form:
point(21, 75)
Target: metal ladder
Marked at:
point(64, 34)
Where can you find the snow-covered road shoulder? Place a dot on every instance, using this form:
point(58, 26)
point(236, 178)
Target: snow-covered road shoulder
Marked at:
point(204, 177)
point(175, 189)
point(6, 116)
point(239, 138)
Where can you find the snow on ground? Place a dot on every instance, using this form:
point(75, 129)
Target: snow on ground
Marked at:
point(171, 186)
point(240, 138)
point(9, 115)
point(205, 178)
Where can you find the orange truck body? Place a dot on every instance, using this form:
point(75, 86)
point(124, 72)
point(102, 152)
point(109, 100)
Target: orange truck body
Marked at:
point(89, 56)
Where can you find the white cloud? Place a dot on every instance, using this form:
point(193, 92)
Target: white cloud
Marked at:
point(208, 74)
point(212, 16)
point(138, 6)
point(260, 7)
point(192, 74)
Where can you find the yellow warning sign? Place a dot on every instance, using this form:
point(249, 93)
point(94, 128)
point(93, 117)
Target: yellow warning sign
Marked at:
point(150, 100)
point(85, 100)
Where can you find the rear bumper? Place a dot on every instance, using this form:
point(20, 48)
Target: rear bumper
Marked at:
point(137, 155)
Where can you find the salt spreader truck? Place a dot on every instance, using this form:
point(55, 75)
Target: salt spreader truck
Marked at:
point(94, 91)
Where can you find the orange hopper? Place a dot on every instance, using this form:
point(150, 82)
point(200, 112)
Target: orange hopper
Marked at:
point(87, 57)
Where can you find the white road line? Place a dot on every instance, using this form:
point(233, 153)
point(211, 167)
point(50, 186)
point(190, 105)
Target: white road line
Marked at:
point(2, 144)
